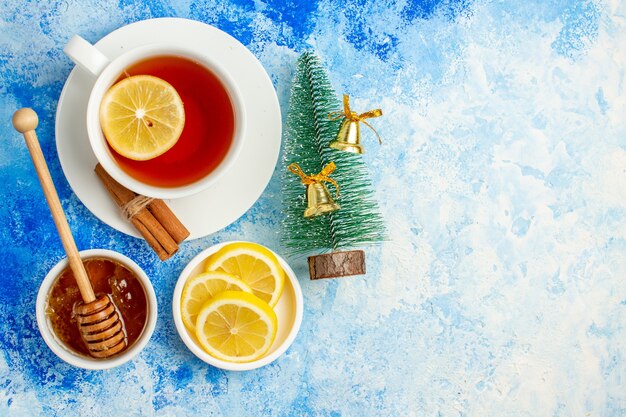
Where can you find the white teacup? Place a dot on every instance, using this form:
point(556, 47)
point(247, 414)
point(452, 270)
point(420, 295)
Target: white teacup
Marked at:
point(107, 71)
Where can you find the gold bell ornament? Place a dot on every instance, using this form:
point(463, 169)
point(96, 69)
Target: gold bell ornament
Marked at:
point(349, 136)
point(319, 200)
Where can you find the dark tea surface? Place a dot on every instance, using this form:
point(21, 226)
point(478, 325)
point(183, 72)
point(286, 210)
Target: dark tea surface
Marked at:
point(107, 277)
point(209, 124)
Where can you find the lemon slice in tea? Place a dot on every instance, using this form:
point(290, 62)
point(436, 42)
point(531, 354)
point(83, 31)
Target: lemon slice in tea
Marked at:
point(142, 117)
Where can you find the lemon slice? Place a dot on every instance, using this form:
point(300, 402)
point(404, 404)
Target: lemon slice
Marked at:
point(255, 265)
point(201, 288)
point(142, 117)
point(236, 326)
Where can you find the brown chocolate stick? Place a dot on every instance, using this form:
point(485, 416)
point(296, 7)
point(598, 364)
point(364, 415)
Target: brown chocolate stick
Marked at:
point(153, 232)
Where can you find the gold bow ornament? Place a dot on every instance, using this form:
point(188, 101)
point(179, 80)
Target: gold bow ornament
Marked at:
point(319, 200)
point(349, 137)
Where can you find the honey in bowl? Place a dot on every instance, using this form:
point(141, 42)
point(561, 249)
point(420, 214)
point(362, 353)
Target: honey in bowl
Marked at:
point(209, 124)
point(107, 277)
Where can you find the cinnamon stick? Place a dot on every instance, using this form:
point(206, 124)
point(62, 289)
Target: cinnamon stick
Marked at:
point(168, 220)
point(153, 229)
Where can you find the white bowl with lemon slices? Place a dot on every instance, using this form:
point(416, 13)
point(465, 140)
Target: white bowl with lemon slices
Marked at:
point(237, 306)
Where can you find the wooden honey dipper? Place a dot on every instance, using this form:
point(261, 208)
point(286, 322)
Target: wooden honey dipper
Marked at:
point(99, 321)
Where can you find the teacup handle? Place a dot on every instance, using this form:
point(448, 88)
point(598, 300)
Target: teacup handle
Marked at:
point(85, 55)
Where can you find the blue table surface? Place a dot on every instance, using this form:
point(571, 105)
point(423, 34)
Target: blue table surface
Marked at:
point(501, 290)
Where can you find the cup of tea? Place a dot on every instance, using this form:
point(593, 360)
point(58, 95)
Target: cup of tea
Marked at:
point(213, 133)
point(110, 273)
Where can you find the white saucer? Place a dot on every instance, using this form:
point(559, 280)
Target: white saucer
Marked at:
point(238, 189)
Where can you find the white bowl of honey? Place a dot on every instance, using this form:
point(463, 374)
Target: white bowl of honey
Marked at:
point(110, 273)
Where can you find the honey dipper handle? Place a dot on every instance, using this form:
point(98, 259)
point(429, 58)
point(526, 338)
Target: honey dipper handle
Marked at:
point(25, 121)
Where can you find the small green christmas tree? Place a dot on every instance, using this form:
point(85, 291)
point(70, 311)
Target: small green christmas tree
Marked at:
point(308, 132)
